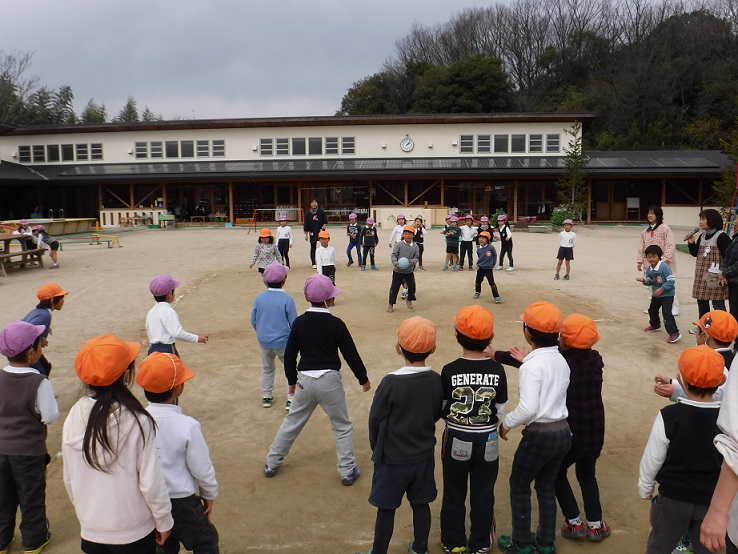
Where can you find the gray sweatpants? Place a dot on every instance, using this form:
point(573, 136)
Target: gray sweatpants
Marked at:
point(669, 519)
point(267, 369)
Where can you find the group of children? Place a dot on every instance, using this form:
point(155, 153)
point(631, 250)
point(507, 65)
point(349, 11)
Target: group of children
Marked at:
point(39, 238)
point(140, 479)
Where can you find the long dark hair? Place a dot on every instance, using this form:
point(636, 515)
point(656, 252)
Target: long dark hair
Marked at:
point(658, 212)
point(110, 401)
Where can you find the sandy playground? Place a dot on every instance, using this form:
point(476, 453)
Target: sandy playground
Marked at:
point(305, 507)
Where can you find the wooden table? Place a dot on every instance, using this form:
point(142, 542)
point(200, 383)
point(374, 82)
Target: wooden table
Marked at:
point(200, 218)
point(19, 258)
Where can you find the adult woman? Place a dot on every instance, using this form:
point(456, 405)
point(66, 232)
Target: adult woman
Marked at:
point(728, 275)
point(709, 248)
point(659, 234)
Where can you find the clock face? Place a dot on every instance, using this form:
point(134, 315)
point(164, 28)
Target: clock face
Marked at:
point(407, 144)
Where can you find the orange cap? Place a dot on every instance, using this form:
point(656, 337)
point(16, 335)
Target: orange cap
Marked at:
point(161, 372)
point(102, 360)
point(701, 366)
point(579, 331)
point(543, 317)
point(485, 234)
point(475, 322)
point(409, 229)
point(265, 232)
point(720, 325)
point(324, 235)
point(49, 291)
point(417, 335)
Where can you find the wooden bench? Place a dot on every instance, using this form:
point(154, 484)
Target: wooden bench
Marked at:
point(21, 258)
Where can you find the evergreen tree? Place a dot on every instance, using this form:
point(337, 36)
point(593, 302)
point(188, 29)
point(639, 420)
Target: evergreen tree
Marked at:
point(128, 114)
point(94, 113)
point(572, 186)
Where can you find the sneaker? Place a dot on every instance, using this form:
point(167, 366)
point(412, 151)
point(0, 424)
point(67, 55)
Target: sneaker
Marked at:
point(652, 329)
point(682, 547)
point(573, 530)
point(675, 337)
point(566, 277)
point(600, 533)
point(375, 268)
point(507, 544)
point(363, 268)
point(461, 268)
point(390, 308)
point(269, 472)
point(455, 549)
point(55, 266)
point(511, 268)
point(411, 550)
point(409, 304)
point(541, 549)
point(498, 300)
point(38, 549)
point(477, 294)
point(455, 268)
point(315, 266)
point(351, 479)
point(480, 551)
point(498, 267)
point(676, 310)
point(266, 402)
point(349, 263)
point(403, 294)
point(288, 404)
point(556, 277)
point(421, 268)
point(694, 330)
point(445, 268)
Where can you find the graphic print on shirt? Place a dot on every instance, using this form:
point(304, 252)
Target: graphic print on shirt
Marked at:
point(472, 407)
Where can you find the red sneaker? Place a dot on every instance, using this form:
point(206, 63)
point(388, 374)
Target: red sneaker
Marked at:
point(573, 530)
point(600, 533)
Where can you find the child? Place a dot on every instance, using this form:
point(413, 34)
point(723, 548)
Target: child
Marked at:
point(567, 240)
point(51, 297)
point(474, 398)
point(353, 231)
point(407, 404)
point(100, 469)
point(271, 317)
point(452, 234)
point(265, 251)
point(162, 322)
point(370, 239)
point(23, 229)
point(44, 240)
point(587, 423)
point(542, 384)
point(485, 226)
point(661, 280)
point(506, 244)
point(404, 249)
point(468, 234)
point(183, 453)
point(396, 235)
point(486, 260)
point(419, 239)
point(325, 257)
point(27, 406)
point(318, 336)
point(680, 455)
point(284, 239)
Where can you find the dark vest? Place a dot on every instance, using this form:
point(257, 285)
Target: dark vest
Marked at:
point(21, 432)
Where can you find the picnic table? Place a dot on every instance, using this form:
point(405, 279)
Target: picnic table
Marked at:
point(26, 256)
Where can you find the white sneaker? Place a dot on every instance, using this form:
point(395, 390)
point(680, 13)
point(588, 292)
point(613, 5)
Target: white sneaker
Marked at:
point(511, 268)
point(403, 295)
point(498, 267)
point(675, 310)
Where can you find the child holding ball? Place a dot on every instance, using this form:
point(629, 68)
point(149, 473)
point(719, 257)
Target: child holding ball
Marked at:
point(404, 259)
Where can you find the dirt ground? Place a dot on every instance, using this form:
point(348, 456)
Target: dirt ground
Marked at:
point(305, 507)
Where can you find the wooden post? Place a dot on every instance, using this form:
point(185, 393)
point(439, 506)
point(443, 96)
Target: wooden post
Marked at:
point(230, 202)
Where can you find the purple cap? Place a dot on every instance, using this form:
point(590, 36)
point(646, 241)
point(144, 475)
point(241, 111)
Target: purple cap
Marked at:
point(370, 220)
point(319, 288)
point(275, 273)
point(484, 219)
point(163, 285)
point(39, 228)
point(501, 217)
point(24, 222)
point(16, 336)
point(453, 218)
point(469, 216)
point(449, 216)
point(282, 217)
point(400, 216)
point(352, 216)
point(569, 221)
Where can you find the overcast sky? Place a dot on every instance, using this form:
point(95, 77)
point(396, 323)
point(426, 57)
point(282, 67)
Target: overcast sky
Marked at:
point(214, 59)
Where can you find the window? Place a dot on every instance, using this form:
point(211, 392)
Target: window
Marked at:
point(82, 152)
point(96, 151)
point(187, 149)
point(52, 153)
point(67, 151)
point(466, 144)
point(24, 154)
point(39, 154)
point(483, 144)
point(535, 143)
point(171, 149)
point(142, 150)
point(553, 143)
point(156, 149)
point(298, 146)
point(501, 145)
point(203, 148)
point(219, 149)
point(315, 146)
point(517, 143)
point(331, 145)
point(266, 147)
point(283, 147)
point(347, 145)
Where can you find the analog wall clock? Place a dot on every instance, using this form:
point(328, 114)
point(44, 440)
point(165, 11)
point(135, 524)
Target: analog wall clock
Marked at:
point(407, 144)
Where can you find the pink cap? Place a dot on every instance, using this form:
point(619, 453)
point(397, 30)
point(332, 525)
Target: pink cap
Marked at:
point(469, 216)
point(484, 219)
point(502, 217)
point(24, 222)
point(16, 336)
point(453, 218)
point(449, 216)
point(370, 220)
point(319, 288)
point(163, 285)
point(275, 273)
point(39, 228)
point(400, 216)
point(282, 217)
point(569, 221)
point(352, 216)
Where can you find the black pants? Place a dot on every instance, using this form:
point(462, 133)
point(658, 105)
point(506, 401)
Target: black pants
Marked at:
point(191, 528)
point(733, 299)
point(730, 548)
point(669, 519)
point(330, 271)
point(146, 545)
point(397, 279)
point(584, 467)
point(313, 246)
point(23, 483)
point(370, 251)
point(506, 248)
point(486, 273)
point(703, 306)
point(663, 303)
point(385, 526)
point(283, 245)
point(467, 247)
point(166, 348)
point(420, 253)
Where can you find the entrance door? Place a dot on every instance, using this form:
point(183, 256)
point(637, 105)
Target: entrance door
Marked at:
point(610, 201)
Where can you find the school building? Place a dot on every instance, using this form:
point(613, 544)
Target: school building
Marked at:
point(228, 170)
